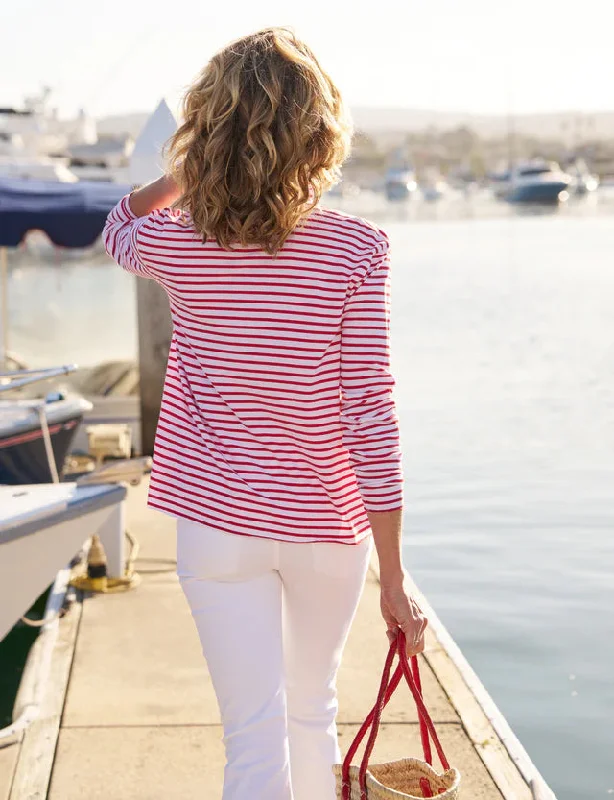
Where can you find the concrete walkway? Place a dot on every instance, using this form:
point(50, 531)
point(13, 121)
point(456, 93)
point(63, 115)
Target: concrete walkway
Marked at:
point(140, 721)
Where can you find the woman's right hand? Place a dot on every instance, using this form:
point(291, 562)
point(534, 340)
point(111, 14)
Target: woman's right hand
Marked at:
point(401, 611)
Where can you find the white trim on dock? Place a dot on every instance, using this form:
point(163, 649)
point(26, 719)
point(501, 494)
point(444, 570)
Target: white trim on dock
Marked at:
point(37, 750)
point(35, 675)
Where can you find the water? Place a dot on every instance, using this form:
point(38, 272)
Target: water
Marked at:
point(14, 649)
point(504, 350)
point(503, 343)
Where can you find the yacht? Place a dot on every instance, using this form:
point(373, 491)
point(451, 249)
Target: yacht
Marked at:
point(533, 182)
point(36, 143)
point(39, 168)
point(433, 185)
point(400, 183)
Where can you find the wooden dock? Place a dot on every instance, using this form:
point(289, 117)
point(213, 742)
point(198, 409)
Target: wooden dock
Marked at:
point(130, 712)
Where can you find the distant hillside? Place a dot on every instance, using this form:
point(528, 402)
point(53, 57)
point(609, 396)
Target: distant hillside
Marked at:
point(390, 122)
point(599, 125)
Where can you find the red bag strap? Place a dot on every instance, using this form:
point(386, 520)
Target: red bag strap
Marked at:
point(424, 735)
point(388, 686)
point(425, 718)
point(384, 694)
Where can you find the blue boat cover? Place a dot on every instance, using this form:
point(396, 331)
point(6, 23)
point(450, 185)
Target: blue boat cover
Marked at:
point(71, 214)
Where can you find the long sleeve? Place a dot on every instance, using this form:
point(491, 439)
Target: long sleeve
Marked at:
point(120, 238)
point(368, 413)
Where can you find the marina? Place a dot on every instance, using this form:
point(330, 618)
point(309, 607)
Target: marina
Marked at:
point(504, 410)
point(498, 428)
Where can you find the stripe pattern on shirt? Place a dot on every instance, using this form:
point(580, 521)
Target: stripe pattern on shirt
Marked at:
point(277, 417)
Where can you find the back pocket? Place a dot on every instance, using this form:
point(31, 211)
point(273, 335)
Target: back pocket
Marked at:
point(206, 554)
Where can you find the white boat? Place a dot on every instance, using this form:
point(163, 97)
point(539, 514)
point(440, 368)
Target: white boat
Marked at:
point(37, 168)
point(36, 129)
point(533, 182)
point(42, 527)
point(107, 159)
point(434, 186)
point(400, 183)
point(33, 135)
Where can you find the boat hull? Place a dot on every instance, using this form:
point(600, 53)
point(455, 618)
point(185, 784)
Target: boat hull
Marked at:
point(539, 193)
point(42, 541)
point(398, 191)
point(23, 458)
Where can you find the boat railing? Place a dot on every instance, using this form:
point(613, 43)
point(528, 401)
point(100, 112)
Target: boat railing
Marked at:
point(23, 377)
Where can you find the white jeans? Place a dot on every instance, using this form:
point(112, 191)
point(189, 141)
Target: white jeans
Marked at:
point(273, 618)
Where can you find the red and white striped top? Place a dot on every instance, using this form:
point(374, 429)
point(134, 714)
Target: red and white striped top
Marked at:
point(277, 418)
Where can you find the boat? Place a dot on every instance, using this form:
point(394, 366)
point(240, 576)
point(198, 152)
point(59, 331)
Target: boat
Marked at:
point(537, 182)
point(40, 168)
point(431, 192)
point(42, 527)
point(36, 434)
point(34, 140)
point(104, 160)
point(23, 453)
point(400, 183)
point(43, 521)
point(433, 186)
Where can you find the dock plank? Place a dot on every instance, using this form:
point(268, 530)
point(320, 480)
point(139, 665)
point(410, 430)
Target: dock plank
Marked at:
point(142, 763)
point(8, 761)
point(138, 661)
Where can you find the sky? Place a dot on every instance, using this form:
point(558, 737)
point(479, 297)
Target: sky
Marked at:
point(477, 56)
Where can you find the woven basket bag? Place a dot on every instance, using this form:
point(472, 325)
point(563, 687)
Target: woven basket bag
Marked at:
point(409, 778)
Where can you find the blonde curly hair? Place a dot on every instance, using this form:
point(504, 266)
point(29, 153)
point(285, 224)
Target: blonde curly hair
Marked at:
point(264, 134)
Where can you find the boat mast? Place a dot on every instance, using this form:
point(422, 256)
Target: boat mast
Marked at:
point(511, 131)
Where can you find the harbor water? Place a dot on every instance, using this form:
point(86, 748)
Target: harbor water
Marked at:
point(503, 346)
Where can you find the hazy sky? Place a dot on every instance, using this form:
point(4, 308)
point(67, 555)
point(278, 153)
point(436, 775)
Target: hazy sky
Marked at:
point(470, 55)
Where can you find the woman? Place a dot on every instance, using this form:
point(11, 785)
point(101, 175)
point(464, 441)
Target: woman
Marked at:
point(277, 447)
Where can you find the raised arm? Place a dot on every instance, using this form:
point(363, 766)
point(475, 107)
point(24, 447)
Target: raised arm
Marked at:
point(371, 435)
point(129, 215)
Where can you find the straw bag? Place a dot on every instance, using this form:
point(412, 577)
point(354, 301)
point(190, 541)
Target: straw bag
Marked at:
point(408, 778)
